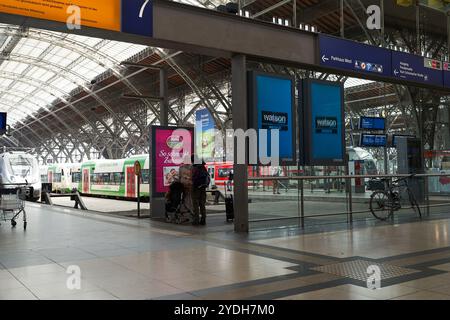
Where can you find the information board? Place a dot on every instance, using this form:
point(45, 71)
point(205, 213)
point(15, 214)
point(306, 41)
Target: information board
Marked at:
point(372, 123)
point(373, 140)
point(406, 66)
point(354, 56)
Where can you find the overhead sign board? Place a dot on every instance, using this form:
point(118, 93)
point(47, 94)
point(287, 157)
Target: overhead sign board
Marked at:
point(131, 16)
point(410, 67)
point(373, 140)
point(372, 123)
point(354, 56)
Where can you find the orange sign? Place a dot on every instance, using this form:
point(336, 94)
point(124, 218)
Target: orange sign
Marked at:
point(103, 14)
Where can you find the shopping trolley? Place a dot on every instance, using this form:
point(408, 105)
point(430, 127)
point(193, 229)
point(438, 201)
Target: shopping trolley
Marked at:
point(12, 204)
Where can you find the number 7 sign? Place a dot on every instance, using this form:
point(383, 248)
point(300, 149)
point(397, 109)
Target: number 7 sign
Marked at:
point(137, 17)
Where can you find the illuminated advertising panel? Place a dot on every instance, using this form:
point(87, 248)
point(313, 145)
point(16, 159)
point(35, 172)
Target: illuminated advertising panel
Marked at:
point(169, 145)
point(323, 123)
point(205, 135)
point(272, 107)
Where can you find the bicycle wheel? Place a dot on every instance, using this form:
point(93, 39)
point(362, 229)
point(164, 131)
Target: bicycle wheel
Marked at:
point(414, 203)
point(381, 205)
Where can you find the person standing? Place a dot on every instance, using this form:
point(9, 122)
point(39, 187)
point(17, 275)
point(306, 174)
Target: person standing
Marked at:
point(275, 172)
point(200, 181)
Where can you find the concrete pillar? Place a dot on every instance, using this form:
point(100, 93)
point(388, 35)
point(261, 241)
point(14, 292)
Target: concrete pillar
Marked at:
point(164, 94)
point(240, 121)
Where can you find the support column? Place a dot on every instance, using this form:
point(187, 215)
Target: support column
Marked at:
point(240, 121)
point(164, 94)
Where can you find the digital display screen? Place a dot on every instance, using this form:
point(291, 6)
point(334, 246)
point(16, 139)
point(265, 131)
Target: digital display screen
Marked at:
point(272, 108)
point(395, 136)
point(373, 140)
point(324, 123)
point(372, 123)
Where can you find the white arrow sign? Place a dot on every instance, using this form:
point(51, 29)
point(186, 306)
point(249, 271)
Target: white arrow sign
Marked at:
point(324, 59)
point(396, 72)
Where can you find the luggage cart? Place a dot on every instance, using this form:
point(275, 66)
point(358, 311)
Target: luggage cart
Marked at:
point(12, 205)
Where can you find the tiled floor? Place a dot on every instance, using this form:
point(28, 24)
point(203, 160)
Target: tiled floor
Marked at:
point(123, 258)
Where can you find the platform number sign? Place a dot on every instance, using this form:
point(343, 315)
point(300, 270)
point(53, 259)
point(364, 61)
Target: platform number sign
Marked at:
point(137, 17)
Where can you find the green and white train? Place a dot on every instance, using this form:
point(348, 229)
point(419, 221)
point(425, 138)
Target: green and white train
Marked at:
point(107, 178)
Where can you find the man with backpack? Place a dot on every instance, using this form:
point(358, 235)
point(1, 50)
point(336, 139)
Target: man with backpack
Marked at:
point(200, 181)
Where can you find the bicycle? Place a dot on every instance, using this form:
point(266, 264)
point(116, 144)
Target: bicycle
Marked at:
point(383, 203)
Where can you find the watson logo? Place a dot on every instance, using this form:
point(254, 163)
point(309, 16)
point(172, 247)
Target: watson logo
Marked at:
point(275, 120)
point(326, 125)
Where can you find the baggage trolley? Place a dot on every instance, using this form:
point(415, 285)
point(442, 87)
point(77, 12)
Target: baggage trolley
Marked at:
point(12, 205)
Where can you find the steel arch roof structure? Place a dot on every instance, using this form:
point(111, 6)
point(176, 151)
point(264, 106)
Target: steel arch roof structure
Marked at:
point(64, 92)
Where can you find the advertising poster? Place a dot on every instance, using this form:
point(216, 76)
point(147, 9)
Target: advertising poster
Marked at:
point(168, 146)
point(272, 107)
point(204, 134)
point(130, 16)
point(102, 14)
point(324, 126)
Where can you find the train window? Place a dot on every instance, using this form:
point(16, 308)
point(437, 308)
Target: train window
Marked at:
point(57, 177)
point(21, 166)
point(211, 172)
point(145, 176)
point(224, 172)
point(76, 177)
point(114, 178)
point(44, 178)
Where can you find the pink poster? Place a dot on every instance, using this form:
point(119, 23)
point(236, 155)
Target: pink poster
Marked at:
point(171, 149)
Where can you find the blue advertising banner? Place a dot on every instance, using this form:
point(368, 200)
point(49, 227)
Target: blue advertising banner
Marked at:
point(324, 125)
point(354, 56)
point(410, 67)
point(204, 134)
point(373, 140)
point(372, 123)
point(137, 17)
point(3, 117)
point(272, 107)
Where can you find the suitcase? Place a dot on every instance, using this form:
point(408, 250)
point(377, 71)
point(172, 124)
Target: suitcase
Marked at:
point(229, 208)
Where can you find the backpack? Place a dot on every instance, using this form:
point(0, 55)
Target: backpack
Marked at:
point(200, 177)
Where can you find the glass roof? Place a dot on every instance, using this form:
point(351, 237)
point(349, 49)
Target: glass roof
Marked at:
point(37, 66)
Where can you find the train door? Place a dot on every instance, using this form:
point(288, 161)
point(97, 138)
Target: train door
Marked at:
point(50, 177)
point(131, 182)
point(86, 179)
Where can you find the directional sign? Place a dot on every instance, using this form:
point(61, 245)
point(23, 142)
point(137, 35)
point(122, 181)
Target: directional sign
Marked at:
point(137, 17)
point(410, 67)
point(354, 56)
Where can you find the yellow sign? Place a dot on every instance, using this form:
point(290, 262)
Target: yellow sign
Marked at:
point(103, 14)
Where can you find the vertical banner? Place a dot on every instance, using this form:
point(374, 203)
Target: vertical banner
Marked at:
point(171, 147)
point(323, 123)
point(271, 106)
point(205, 129)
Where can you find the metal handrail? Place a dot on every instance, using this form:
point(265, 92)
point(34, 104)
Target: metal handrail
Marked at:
point(421, 175)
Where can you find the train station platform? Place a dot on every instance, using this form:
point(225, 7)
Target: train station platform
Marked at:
point(124, 258)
